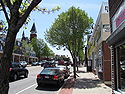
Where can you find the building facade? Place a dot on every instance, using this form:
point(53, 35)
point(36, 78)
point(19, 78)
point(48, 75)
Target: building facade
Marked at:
point(98, 50)
point(21, 53)
point(117, 43)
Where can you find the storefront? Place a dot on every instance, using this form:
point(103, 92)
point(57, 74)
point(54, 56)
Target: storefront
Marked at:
point(117, 43)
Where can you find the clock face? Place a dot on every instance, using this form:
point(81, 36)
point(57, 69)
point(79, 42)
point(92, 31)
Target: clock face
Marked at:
point(107, 28)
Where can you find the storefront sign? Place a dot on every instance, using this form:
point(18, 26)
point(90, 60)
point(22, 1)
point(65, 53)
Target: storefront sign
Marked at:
point(119, 17)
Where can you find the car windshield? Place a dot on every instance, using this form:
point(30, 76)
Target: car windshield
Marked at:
point(50, 71)
point(15, 64)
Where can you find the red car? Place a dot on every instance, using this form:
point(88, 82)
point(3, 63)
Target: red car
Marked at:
point(61, 62)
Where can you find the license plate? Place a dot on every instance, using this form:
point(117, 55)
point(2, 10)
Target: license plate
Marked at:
point(46, 76)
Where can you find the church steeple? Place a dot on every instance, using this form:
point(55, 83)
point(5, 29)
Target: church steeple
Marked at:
point(33, 29)
point(23, 36)
point(33, 32)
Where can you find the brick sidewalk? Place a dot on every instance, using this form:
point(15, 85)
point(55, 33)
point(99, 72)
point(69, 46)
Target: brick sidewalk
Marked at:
point(86, 83)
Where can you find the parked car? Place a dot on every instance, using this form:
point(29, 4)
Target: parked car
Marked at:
point(65, 70)
point(42, 62)
point(23, 63)
point(61, 62)
point(50, 76)
point(49, 64)
point(35, 63)
point(16, 70)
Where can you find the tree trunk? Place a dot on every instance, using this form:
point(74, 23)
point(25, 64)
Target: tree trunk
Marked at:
point(77, 67)
point(74, 65)
point(5, 62)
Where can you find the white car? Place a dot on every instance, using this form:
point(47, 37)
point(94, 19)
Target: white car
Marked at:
point(23, 63)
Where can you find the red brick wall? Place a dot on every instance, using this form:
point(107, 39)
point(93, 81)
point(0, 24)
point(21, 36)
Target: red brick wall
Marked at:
point(106, 62)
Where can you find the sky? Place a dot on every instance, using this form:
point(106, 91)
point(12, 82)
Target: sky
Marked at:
point(43, 21)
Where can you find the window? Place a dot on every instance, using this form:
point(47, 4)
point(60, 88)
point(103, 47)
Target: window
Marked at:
point(121, 68)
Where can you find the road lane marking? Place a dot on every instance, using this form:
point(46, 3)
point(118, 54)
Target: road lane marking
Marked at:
point(26, 88)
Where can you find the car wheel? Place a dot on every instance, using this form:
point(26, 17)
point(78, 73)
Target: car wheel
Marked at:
point(59, 83)
point(15, 77)
point(26, 74)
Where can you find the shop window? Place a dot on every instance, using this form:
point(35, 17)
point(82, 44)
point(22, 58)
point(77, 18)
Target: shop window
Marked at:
point(121, 68)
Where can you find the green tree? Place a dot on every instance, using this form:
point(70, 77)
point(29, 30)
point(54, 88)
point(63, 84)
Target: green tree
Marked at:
point(41, 48)
point(68, 30)
point(27, 48)
point(16, 13)
point(38, 45)
point(46, 51)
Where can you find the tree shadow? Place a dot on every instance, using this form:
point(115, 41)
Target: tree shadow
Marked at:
point(69, 83)
point(80, 71)
point(85, 83)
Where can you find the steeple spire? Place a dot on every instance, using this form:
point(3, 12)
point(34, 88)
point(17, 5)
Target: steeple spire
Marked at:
point(23, 36)
point(33, 29)
point(33, 32)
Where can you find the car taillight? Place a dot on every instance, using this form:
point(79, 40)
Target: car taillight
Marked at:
point(38, 76)
point(56, 77)
point(10, 69)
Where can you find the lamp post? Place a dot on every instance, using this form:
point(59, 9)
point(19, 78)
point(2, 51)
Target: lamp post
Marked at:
point(86, 58)
point(86, 52)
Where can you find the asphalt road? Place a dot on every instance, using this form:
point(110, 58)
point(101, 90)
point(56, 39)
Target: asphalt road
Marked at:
point(29, 85)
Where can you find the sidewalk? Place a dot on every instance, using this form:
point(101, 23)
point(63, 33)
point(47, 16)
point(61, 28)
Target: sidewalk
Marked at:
point(86, 83)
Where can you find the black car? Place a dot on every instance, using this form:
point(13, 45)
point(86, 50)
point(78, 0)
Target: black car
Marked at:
point(50, 76)
point(16, 70)
point(49, 64)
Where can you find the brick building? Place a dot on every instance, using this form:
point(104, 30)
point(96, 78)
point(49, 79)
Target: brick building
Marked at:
point(117, 43)
point(98, 50)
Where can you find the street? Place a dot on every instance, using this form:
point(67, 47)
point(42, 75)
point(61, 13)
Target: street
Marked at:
point(29, 85)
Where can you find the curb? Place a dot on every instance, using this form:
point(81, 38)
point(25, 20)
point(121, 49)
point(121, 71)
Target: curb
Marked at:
point(62, 85)
point(66, 80)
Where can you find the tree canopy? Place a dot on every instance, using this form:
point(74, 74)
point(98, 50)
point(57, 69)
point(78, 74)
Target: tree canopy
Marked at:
point(16, 13)
point(69, 29)
point(41, 48)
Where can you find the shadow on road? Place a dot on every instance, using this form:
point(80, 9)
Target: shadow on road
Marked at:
point(20, 78)
point(80, 71)
point(48, 87)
